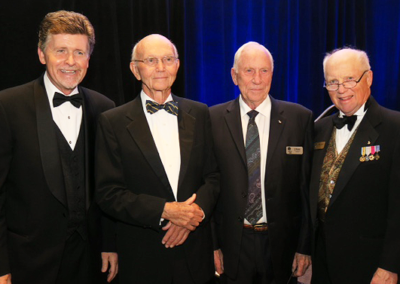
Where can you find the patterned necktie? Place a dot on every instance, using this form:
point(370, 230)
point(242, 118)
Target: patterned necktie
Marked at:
point(170, 107)
point(339, 122)
point(59, 99)
point(253, 211)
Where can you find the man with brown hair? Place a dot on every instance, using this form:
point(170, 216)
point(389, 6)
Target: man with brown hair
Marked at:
point(49, 226)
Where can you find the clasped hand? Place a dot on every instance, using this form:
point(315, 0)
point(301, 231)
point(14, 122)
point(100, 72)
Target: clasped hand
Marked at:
point(183, 217)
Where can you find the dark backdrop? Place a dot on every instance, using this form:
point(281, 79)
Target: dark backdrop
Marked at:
point(207, 33)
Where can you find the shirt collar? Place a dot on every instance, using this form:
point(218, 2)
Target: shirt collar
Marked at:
point(264, 108)
point(145, 97)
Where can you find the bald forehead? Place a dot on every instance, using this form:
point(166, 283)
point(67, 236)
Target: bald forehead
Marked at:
point(254, 51)
point(154, 42)
point(341, 56)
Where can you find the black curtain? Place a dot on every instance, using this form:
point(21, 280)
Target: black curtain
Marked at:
point(207, 33)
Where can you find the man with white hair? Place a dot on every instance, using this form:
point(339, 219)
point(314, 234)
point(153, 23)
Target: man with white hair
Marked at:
point(263, 145)
point(354, 188)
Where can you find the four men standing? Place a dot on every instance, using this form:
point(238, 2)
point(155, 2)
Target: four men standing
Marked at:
point(164, 163)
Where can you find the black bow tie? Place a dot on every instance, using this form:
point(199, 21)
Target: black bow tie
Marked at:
point(170, 107)
point(59, 99)
point(339, 122)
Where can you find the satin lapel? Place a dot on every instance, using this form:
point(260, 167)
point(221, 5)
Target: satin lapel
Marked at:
point(186, 124)
point(48, 144)
point(366, 136)
point(89, 123)
point(318, 157)
point(234, 124)
point(140, 132)
point(277, 124)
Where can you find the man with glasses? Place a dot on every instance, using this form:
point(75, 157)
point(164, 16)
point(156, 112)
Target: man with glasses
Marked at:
point(355, 182)
point(156, 175)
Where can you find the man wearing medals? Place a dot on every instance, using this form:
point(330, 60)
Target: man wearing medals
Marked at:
point(355, 181)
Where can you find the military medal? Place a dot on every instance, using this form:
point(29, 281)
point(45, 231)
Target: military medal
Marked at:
point(362, 158)
point(377, 149)
point(372, 157)
point(367, 152)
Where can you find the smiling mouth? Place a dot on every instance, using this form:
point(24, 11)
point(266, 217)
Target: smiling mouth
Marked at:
point(346, 98)
point(68, 71)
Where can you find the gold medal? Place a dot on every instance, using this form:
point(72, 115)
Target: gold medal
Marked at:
point(371, 157)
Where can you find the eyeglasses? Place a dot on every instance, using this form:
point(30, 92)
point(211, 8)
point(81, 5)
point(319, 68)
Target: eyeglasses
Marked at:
point(153, 61)
point(346, 84)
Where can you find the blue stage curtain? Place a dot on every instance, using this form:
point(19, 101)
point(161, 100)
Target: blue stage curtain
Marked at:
point(298, 33)
point(207, 34)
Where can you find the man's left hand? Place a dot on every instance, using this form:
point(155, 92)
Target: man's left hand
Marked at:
point(300, 264)
point(382, 276)
point(175, 235)
point(112, 259)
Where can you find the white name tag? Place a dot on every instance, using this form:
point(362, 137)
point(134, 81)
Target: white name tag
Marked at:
point(294, 150)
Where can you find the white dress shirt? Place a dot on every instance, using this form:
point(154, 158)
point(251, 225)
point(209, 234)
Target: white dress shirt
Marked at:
point(164, 129)
point(263, 122)
point(67, 117)
point(343, 135)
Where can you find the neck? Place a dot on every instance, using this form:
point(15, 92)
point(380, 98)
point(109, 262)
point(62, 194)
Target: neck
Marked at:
point(158, 96)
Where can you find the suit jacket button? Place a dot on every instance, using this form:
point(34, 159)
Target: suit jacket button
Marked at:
point(244, 194)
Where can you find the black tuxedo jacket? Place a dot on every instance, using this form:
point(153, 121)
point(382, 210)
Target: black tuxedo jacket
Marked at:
point(363, 218)
point(33, 206)
point(132, 186)
point(286, 184)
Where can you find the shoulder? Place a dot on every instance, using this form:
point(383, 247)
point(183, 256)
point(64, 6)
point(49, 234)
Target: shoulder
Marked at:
point(94, 97)
point(290, 107)
point(16, 92)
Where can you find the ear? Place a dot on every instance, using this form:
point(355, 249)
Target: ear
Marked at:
point(135, 70)
point(234, 76)
point(370, 78)
point(42, 57)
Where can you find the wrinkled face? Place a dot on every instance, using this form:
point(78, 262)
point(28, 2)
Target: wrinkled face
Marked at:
point(344, 67)
point(66, 57)
point(254, 75)
point(157, 78)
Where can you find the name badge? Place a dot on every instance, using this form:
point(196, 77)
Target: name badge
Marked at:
point(294, 150)
point(319, 145)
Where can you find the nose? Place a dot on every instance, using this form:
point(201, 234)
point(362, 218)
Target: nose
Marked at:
point(160, 65)
point(257, 78)
point(70, 60)
point(341, 89)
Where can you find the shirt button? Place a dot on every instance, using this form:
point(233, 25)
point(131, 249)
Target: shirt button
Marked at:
point(70, 142)
point(332, 181)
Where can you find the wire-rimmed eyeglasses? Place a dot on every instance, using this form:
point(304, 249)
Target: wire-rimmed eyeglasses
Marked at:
point(153, 61)
point(346, 84)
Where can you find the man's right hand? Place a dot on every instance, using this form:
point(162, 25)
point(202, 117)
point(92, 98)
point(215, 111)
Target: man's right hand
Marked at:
point(219, 261)
point(185, 214)
point(5, 279)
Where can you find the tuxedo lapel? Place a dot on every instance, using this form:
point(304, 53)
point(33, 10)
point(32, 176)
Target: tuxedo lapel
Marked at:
point(366, 136)
point(141, 134)
point(48, 143)
point(321, 142)
point(89, 123)
point(234, 124)
point(277, 124)
point(186, 124)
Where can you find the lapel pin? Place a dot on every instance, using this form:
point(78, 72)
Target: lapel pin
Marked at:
point(369, 143)
point(279, 121)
